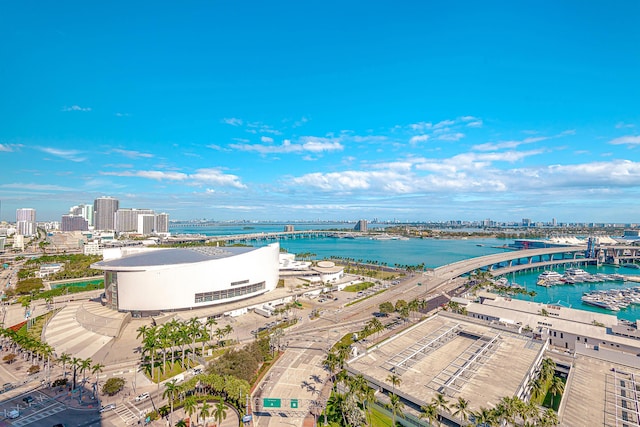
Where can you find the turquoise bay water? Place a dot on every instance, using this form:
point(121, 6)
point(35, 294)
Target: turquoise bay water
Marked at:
point(433, 253)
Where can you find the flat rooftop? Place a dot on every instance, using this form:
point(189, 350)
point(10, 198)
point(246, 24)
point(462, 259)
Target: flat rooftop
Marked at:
point(452, 356)
point(600, 392)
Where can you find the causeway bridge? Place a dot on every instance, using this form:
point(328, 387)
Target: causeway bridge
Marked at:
point(531, 259)
point(255, 237)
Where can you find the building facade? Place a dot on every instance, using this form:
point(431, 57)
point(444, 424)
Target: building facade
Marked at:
point(73, 223)
point(127, 219)
point(148, 281)
point(104, 213)
point(26, 222)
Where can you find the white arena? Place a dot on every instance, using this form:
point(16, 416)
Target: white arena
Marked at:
point(153, 280)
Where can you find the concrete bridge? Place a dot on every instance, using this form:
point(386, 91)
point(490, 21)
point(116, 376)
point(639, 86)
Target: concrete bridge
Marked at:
point(254, 237)
point(530, 259)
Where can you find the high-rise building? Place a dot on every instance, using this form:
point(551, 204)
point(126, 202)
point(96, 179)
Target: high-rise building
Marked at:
point(26, 221)
point(73, 223)
point(127, 219)
point(146, 222)
point(86, 211)
point(162, 223)
point(104, 213)
point(361, 225)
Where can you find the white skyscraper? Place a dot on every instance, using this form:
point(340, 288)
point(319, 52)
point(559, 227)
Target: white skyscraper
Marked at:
point(26, 221)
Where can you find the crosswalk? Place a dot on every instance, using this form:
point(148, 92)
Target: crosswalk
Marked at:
point(126, 414)
point(48, 408)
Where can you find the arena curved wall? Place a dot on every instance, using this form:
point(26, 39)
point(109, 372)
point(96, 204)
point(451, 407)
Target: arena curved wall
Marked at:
point(169, 287)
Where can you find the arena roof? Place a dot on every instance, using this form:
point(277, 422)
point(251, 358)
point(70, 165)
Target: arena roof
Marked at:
point(169, 256)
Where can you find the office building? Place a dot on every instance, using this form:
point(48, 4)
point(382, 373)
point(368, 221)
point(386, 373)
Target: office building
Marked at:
point(361, 225)
point(146, 224)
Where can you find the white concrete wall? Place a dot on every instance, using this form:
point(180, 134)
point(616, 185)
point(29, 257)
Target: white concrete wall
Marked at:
point(174, 287)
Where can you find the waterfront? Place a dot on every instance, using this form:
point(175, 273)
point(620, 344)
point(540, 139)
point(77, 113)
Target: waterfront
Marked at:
point(433, 253)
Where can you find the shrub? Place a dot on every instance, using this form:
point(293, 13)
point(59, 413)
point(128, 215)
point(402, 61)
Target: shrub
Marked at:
point(59, 382)
point(9, 358)
point(113, 386)
point(33, 369)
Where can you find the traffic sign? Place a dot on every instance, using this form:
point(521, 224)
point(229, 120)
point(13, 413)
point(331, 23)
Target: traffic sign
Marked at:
point(294, 403)
point(271, 403)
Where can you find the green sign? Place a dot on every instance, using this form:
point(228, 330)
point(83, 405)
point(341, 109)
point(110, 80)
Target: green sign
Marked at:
point(294, 403)
point(271, 403)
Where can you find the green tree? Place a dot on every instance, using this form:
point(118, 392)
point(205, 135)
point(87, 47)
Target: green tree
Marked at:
point(190, 406)
point(396, 406)
point(430, 413)
point(205, 411)
point(556, 387)
point(113, 386)
point(461, 409)
point(220, 411)
point(170, 390)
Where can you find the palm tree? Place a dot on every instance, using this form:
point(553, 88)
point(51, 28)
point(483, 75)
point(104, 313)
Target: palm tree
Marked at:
point(430, 413)
point(441, 403)
point(394, 380)
point(75, 363)
point(556, 387)
point(181, 423)
point(205, 411)
point(483, 417)
point(228, 330)
point(549, 418)
point(85, 364)
point(190, 405)
point(396, 406)
point(96, 369)
point(536, 387)
point(170, 390)
point(220, 411)
point(461, 409)
point(547, 369)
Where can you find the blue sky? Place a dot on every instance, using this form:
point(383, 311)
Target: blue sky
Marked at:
point(330, 110)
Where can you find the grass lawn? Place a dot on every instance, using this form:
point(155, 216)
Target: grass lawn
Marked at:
point(549, 399)
point(378, 419)
point(170, 370)
point(358, 287)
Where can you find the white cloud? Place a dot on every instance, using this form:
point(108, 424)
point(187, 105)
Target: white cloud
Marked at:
point(475, 124)
point(622, 125)
point(201, 176)
point(418, 138)
point(122, 114)
point(628, 140)
point(76, 108)
point(35, 187)
point(9, 148)
point(232, 121)
point(72, 155)
point(492, 146)
point(307, 144)
point(444, 123)
point(450, 136)
point(131, 154)
point(266, 139)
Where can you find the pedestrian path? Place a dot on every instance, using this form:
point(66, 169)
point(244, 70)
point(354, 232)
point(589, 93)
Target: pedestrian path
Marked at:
point(126, 414)
point(66, 335)
point(48, 409)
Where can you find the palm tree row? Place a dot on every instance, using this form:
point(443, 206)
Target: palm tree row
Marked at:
point(35, 351)
point(175, 336)
point(226, 388)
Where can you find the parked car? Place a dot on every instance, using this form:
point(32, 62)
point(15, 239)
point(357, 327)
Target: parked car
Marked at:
point(108, 407)
point(142, 396)
point(27, 399)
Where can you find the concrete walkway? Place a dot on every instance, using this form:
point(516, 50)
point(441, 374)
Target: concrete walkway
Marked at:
point(66, 335)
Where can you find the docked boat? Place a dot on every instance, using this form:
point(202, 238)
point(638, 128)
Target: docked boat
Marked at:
point(599, 303)
point(549, 278)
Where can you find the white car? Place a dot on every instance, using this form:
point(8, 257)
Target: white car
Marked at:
point(13, 414)
point(108, 407)
point(142, 396)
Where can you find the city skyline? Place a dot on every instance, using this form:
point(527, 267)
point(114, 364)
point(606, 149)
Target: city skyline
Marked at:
point(285, 111)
